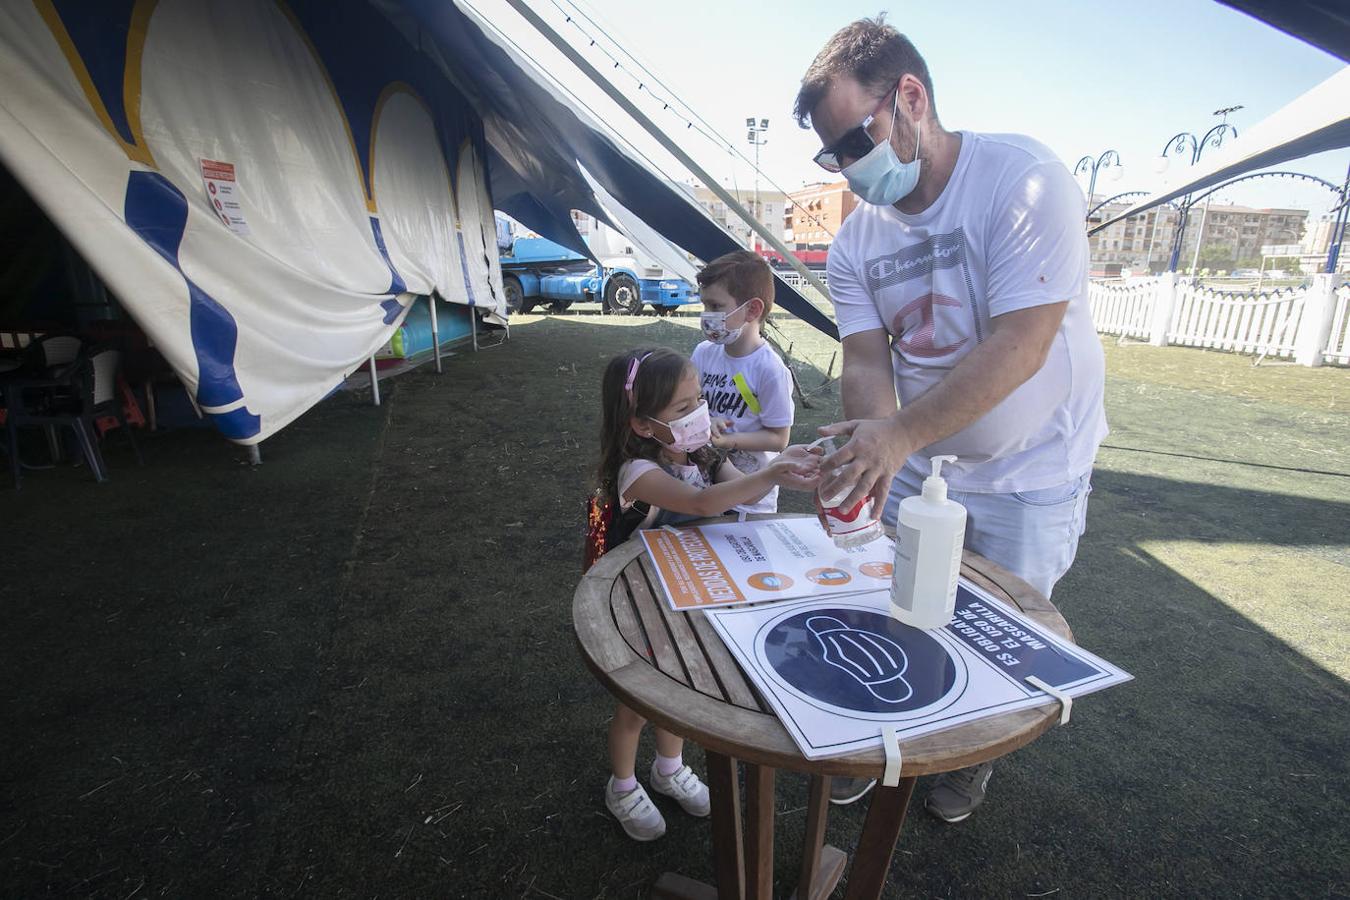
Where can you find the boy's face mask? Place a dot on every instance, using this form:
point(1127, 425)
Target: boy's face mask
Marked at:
point(689, 432)
point(715, 327)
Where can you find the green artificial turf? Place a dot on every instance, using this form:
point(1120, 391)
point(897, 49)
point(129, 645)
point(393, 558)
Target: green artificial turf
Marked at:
point(350, 672)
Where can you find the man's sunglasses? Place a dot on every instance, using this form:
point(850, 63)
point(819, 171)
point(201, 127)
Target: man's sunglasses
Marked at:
point(853, 144)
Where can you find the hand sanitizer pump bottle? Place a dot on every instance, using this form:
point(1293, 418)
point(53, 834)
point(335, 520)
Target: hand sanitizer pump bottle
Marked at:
point(930, 531)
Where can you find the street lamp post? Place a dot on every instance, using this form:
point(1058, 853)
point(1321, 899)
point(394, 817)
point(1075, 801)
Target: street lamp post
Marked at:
point(1092, 166)
point(755, 134)
point(1088, 164)
point(1177, 146)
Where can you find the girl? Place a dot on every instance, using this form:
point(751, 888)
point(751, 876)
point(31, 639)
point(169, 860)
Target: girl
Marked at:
point(654, 455)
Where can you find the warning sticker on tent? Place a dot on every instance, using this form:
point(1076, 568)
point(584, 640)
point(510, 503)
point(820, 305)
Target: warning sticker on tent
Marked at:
point(222, 190)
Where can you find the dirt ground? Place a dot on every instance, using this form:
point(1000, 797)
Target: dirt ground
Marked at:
point(350, 671)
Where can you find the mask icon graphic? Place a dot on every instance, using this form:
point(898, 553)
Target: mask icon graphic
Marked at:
point(873, 660)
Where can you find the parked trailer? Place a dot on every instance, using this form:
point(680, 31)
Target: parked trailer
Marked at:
point(536, 271)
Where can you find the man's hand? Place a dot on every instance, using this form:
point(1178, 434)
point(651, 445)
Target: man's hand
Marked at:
point(875, 451)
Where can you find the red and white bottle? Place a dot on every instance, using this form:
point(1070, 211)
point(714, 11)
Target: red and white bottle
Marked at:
point(850, 527)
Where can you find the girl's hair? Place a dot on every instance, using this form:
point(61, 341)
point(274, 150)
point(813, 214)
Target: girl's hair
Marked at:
point(658, 376)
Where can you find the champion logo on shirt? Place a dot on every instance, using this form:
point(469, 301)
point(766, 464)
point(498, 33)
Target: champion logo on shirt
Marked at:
point(941, 251)
point(917, 340)
point(940, 264)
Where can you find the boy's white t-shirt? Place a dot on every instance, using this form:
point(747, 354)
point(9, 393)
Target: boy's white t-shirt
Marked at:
point(634, 469)
point(769, 382)
point(1007, 233)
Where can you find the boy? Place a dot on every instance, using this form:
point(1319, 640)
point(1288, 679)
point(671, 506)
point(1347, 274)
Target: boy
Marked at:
point(748, 388)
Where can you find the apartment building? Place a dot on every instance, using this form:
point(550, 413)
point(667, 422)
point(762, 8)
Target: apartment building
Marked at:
point(1145, 241)
point(770, 205)
point(816, 212)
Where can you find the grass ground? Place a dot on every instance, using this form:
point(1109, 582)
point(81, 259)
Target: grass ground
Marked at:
point(350, 672)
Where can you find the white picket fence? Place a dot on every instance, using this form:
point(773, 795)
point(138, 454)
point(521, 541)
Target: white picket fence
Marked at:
point(1338, 340)
point(1260, 323)
point(806, 289)
point(1309, 324)
point(1123, 307)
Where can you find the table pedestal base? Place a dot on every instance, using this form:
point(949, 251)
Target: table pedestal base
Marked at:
point(743, 859)
point(829, 869)
point(674, 886)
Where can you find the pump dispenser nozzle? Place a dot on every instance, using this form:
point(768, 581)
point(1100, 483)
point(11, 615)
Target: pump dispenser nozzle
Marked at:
point(935, 486)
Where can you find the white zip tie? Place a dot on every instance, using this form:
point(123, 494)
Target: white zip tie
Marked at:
point(891, 776)
point(1065, 701)
point(671, 529)
point(742, 516)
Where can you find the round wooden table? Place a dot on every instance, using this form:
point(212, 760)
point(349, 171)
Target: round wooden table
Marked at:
point(673, 668)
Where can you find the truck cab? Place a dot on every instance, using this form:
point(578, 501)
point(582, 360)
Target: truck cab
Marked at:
point(536, 271)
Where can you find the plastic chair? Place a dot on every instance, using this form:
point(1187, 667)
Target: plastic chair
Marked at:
point(49, 357)
point(74, 398)
point(52, 350)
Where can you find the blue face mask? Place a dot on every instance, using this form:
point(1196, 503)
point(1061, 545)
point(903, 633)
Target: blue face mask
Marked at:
point(880, 178)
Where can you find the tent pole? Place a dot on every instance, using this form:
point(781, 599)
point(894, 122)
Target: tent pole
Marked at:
point(435, 333)
point(254, 455)
point(670, 146)
point(1337, 234)
point(473, 324)
point(374, 383)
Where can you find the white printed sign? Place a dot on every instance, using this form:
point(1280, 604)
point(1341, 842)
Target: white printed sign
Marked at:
point(222, 190)
point(837, 670)
point(771, 559)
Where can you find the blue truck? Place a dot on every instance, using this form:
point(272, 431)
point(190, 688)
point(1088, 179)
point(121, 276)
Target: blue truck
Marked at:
point(538, 272)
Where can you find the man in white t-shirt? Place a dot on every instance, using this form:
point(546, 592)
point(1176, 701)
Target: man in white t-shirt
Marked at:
point(960, 284)
point(747, 386)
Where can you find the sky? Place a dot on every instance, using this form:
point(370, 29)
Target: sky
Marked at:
point(1082, 77)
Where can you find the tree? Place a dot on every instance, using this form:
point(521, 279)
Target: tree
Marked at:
point(1216, 256)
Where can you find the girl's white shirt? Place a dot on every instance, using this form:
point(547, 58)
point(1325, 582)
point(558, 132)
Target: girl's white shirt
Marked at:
point(634, 469)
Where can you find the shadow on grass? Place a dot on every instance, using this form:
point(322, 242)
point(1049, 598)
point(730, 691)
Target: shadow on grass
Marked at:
point(351, 672)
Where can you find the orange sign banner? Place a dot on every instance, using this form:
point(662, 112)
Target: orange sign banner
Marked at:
point(693, 573)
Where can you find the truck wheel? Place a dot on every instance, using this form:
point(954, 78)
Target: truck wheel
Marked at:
point(515, 296)
point(622, 297)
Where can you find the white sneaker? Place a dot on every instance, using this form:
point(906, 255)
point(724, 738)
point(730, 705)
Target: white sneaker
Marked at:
point(640, 818)
point(685, 787)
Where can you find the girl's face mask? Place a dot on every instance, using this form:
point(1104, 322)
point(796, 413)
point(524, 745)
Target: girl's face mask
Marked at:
point(715, 328)
point(689, 432)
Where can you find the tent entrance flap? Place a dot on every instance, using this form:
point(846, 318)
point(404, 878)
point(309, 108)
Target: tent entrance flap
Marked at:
point(265, 191)
point(552, 141)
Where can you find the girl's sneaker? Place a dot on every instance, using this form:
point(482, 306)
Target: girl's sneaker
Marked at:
point(685, 787)
point(640, 818)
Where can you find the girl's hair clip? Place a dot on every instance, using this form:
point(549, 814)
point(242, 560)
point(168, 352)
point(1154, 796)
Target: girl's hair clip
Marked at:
point(632, 376)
